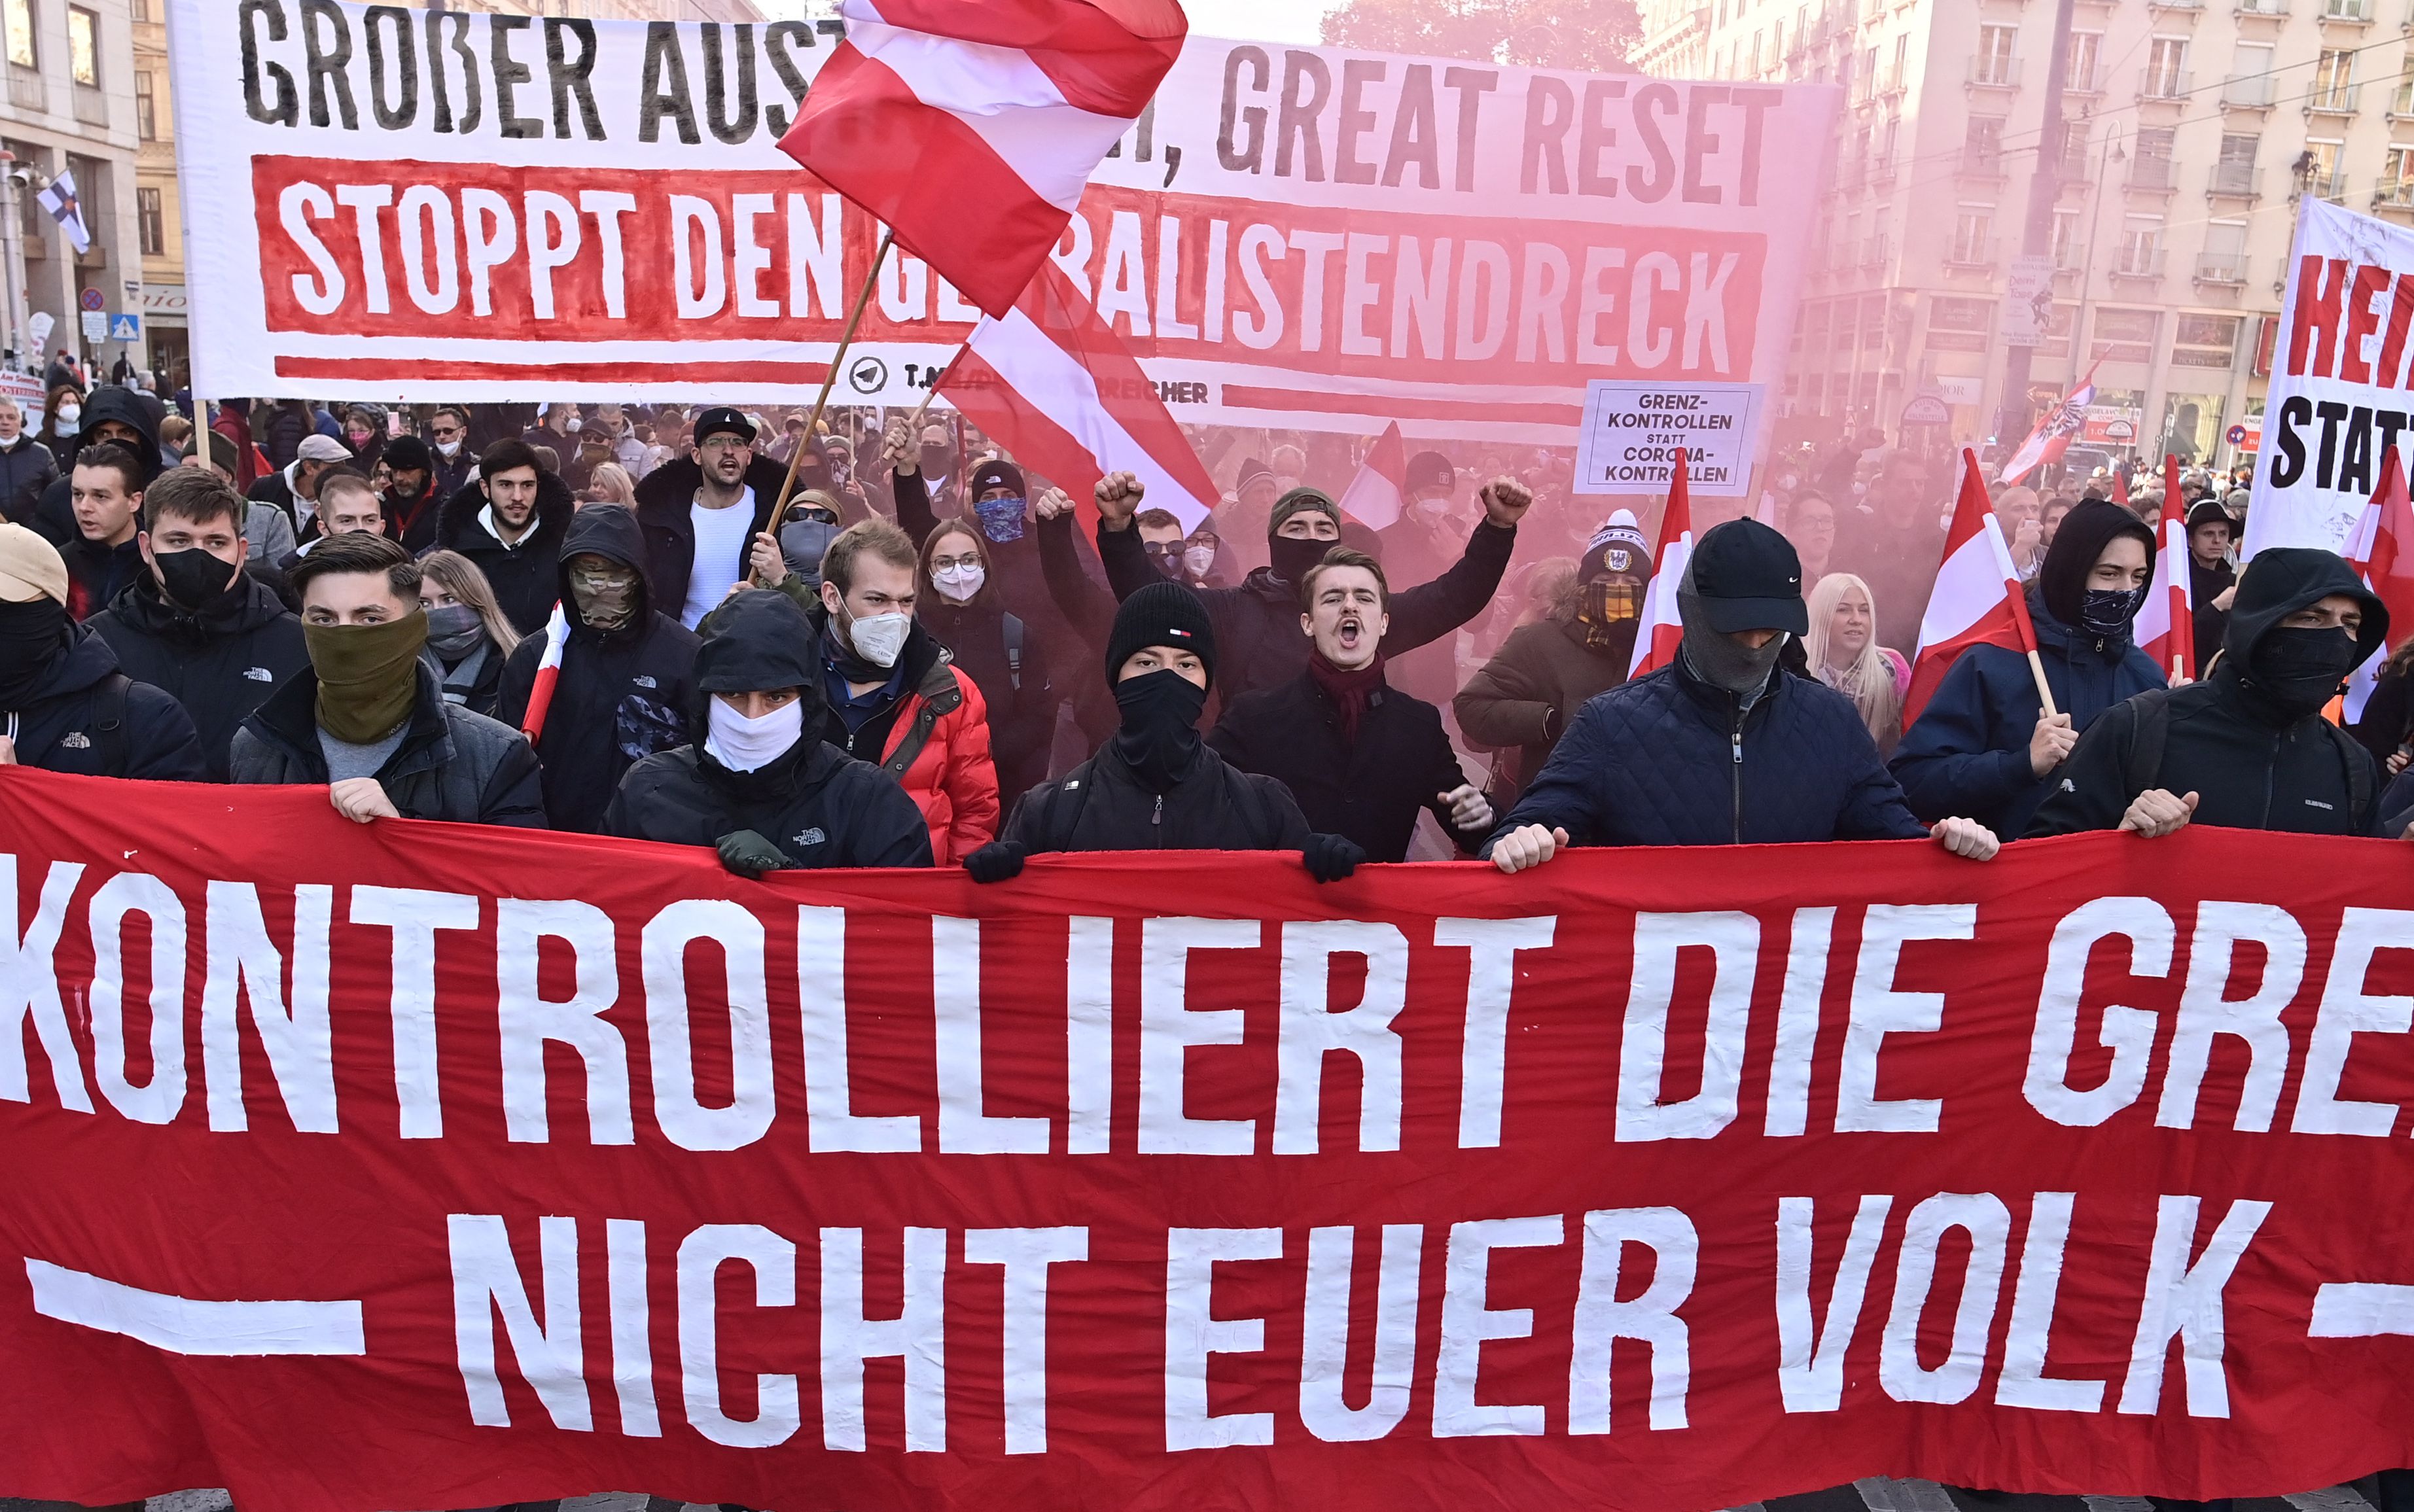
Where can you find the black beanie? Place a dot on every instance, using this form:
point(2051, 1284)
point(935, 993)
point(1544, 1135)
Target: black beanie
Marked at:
point(409, 454)
point(1161, 613)
point(995, 473)
point(2092, 524)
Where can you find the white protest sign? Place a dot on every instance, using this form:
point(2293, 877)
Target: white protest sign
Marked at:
point(1631, 432)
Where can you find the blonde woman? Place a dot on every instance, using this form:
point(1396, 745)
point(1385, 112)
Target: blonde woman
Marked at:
point(468, 640)
point(1843, 651)
point(609, 483)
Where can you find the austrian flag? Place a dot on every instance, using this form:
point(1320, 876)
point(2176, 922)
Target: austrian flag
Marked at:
point(971, 126)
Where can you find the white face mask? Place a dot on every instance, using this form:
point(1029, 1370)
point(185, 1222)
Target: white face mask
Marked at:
point(744, 745)
point(448, 449)
point(878, 638)
point(69, 416)
point(1433, 509)
point(1200, 559)
point(956, 584)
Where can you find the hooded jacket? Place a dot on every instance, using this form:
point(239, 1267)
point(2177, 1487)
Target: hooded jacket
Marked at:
point(1670, 759)
point(665, 497)
point(819, 806)
point(933, 740)
point(452, 764)
point(55, 516)
point(623, 695)
point(527, 578)
point(1102, 805)
point(1527, 695)
point(61, 727)
point(2252, 765)
point(1258, 640)
point(221, 662)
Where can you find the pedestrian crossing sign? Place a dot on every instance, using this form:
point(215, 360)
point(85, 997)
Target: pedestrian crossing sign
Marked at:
point(126, 328)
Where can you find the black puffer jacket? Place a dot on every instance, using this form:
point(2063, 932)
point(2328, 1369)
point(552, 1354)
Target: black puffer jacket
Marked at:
point(527, 578)
point(665, 497)
point(26, 470)
point(221, 663)
point(62, 727)
point(818, 805)
point(623, 695)
point(1371, 789)
point(1102, 805)
point(452, 764)
point(2251, 766)
point(1257, 641)
point(55, 516)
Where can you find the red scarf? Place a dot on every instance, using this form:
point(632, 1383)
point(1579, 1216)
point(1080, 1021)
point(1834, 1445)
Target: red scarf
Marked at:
point(1349, 691)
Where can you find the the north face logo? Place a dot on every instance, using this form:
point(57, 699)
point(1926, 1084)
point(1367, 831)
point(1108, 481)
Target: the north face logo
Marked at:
point(258, 675)
point(641, 680)
point(810, 837)
point(75, 740)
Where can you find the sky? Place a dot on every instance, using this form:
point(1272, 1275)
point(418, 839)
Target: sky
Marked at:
point(1257, 21)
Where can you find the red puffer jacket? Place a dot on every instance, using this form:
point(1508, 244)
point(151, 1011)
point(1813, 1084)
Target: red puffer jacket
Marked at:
point(938, 751)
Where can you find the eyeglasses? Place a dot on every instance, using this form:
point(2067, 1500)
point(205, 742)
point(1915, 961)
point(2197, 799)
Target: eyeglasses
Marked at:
point(723, 443)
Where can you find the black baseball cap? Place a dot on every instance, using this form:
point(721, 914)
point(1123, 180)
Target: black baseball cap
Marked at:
point(721, 419)
point(1747, 577)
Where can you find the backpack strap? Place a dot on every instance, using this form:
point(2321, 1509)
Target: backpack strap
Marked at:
point(1013, 653)
point(2149, 733)
point(109, 725)
point(2359, 775)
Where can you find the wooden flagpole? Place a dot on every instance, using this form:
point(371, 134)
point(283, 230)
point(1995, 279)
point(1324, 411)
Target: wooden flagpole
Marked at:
point(855, 317)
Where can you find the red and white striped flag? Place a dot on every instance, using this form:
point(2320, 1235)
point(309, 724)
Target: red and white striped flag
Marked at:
point(2053, 434)
point(1374, 497)
point(2382, 549)
point(1663, 629)
point(971, 126)
point(1060, 390)
point(1978, 598)
point(549, 673)
point(2166, 627)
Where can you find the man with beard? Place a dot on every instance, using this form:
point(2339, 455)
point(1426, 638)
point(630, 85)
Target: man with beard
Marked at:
point(65, 707)
point(1525, 696)
point(2247, 747)
point(411, 503)
point(1257, 623)
point(1156, 785)
point(1362, 758)
point(368, 717)
point(1724, 746)
point(511, 524)
point(701, 514)
point(761, 788)
point(194, 624)
point(623, 687)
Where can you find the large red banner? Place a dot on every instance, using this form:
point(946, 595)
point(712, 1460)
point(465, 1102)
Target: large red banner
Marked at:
point(428, 1166)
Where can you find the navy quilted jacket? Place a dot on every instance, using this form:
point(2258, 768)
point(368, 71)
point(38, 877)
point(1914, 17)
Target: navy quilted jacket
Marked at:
point(1668, 760)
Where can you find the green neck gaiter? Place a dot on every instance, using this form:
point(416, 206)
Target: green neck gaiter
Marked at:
point(367, 675)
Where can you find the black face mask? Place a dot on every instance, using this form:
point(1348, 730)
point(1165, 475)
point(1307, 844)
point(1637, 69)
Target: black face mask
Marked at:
point(192, 577)
point(1292, 560)
point(31, 636)
point(1159, 737)
point(2298, 670)
point(2108, 611)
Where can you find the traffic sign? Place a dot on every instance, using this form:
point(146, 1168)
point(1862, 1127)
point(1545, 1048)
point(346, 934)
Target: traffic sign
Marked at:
point(2238, 436)
point(1926, 409)
point(2120, 430)
point(126, 328)
point(90, 298)
point(96, 326)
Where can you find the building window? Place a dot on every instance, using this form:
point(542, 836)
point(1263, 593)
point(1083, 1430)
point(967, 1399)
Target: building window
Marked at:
point(1994, 62)
point(84, 46)
point(2125, 336)
point(1973, 241)
point(146, 106)
point(2066, 237)
point(2085, 48)
point(154, 222)
point(2167, 68)
point(1901, 61)
point(1982, 147)
point(2223, 262)
point(19, 15)
point(2397, 186)
point(2151, 169)
point(2334, 81)
point(2142, 246)
point(2234, 173)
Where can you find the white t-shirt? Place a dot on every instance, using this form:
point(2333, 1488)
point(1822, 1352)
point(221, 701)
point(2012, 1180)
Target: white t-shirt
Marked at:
point(721, 537)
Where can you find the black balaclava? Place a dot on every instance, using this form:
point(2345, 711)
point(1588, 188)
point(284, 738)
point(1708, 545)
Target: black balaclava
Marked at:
point(1719, 658)
point(32, 635)
point(2284, 675)
point(2298, 670)
point(1290, 558)
point(1160, 735)
point(2092, 524)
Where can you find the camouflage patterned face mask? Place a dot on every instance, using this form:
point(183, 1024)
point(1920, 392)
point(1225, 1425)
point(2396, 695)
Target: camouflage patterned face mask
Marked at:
point(605, 591)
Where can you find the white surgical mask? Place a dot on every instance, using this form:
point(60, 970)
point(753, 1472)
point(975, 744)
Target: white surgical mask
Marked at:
point(69, 416)
point(957, 583)
point(448, 449)
point(1200, 559)
point(878, 638)
point(744, 745)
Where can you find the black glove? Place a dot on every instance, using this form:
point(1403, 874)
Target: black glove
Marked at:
point(1331, 857)
point(996, 862)
point(750, 855)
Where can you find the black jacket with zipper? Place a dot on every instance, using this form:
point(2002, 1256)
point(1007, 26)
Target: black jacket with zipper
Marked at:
point(819, 806)
point(1102, 805)
point(527, 578)
point(220, 663)
point(452, 764)
point(61, 726)
point(1370, 790)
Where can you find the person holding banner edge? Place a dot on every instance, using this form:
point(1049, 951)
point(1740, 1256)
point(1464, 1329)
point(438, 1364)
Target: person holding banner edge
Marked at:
point(1723, 745)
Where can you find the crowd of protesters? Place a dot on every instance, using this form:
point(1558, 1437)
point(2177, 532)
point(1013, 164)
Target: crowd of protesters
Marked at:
point(881, 642)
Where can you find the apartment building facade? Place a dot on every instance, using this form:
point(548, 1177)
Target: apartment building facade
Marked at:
point(2194, 127)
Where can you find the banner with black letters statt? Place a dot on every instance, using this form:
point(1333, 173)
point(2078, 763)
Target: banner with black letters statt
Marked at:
point(430, 1165)
point(392, 203)
point(2339, 391)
